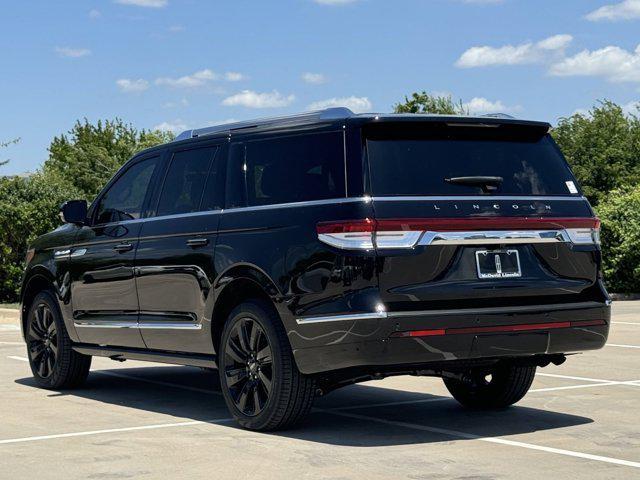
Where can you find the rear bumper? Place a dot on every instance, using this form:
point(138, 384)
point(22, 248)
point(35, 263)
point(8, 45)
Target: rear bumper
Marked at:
point(453, 335)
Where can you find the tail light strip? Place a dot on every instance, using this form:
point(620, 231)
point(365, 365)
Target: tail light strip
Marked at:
point(368, 234)
point(523, 327)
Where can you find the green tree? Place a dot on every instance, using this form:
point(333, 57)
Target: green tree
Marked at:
point(603, 149)
point(422, 102)
point(620, 233)
point(89, 155)
point(29, 207)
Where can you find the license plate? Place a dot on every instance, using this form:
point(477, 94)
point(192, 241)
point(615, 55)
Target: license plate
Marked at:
point(498, 264)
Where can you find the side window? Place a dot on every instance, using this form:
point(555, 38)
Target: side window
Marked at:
point(291, 169)
point(125, 198)
point(185, 181)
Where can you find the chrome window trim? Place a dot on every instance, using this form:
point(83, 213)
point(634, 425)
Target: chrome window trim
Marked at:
point(475, 198)
point(306, 203)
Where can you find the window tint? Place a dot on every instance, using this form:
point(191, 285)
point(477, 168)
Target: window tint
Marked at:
point(422, 163)
point(125, 198)
point(290, 169)
point(185, 181)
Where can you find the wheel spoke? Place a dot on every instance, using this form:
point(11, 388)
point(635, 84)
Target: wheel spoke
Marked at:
point(235, 375)
point(257, 406)
point(50, 362)
point(35, 350)
point(235, 351)
point(264, 356)
point(42, 366)
point(265, 381)
point(256, 332)
point(243, 336)
point(33, 332)
point(244, 396)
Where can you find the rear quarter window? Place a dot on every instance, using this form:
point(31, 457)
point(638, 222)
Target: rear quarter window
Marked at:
point(287, 169)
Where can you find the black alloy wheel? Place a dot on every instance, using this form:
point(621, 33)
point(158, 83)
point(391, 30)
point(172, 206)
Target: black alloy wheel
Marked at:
point(53, 361)
point(248, 366)
point(42, 341)
point(260, 382)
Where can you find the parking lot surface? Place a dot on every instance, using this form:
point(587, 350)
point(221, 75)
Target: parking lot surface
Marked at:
point(143, 420)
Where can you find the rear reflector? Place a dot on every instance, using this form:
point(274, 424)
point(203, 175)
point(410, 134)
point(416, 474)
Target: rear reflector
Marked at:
point(523, 327)
point(367, 234)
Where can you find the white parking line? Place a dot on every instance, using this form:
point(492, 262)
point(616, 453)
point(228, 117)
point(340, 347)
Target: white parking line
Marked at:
point(113, 430)
point(626, 323)
point(622, 346)
point(569, 377)
point(21, 359)
point(339, 411)
point(11, 343)
point(471, 436)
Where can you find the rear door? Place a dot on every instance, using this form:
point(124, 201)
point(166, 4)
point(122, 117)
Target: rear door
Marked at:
point(477, 216)
point(174, 261)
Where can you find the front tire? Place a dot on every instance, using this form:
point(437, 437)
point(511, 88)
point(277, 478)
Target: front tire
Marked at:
point(261, 385)
point(503, 385)
point(55, 365)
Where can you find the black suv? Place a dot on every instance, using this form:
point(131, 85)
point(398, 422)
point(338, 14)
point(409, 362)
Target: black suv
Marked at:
point(300, 254)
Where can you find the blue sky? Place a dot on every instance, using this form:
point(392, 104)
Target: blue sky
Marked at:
point(178, 64)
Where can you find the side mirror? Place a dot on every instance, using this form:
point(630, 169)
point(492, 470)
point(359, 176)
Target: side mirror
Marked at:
point(74, 211)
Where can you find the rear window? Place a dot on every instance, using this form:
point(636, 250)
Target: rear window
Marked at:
point(422, 159)
point(287, 169)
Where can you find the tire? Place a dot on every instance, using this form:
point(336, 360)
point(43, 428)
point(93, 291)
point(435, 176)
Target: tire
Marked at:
point(507, 385)
point(261, 385)
point(55, 365)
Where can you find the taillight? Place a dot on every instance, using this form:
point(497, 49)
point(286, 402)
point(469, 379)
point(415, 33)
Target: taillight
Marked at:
point(405, 233)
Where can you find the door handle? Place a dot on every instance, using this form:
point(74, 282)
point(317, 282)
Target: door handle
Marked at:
point(123, 247)
point(197, 242)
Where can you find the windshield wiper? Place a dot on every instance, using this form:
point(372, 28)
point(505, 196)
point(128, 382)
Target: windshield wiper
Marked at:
point(487, 183)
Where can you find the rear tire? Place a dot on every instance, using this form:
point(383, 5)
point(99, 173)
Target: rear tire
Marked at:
point(261, 385)
point(55, 365)
point(497, 388)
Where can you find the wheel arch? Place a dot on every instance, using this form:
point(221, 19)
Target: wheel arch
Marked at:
point(38, 279)
point(236, 285)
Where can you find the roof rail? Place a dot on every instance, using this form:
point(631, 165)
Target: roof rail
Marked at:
point(499, 115)
point(328, 114)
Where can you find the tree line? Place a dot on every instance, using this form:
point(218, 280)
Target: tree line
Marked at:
point(602, 146)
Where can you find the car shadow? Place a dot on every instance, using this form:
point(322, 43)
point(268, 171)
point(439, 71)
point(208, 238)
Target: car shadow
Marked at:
point(351, 416)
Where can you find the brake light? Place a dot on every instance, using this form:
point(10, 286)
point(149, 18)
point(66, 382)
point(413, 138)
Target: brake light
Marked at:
point(403, 233)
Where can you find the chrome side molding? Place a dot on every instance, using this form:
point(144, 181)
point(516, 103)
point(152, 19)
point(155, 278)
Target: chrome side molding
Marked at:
point(141, 326)
point(341, 318)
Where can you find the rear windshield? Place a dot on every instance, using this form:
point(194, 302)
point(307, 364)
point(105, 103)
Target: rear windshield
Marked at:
point(430, 159)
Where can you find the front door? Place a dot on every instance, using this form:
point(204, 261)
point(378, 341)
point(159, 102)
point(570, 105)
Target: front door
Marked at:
point(103, 290)
point(174, 261)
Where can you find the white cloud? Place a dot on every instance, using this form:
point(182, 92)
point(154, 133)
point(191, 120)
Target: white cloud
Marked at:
point(176, 28)
point(314, 78)
point(95, 13)
point(176, 126)
point(632, 108)
point(181, 103)
point(356, 104)
point(72, 52)
point(251, 99)
point(613, 63)
point(480, 106)
point(197, 79)
point(334, 2)
point(145, 3)
point(525, 53)
point(625, 10)
point(129, 85)
point(234, 76)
